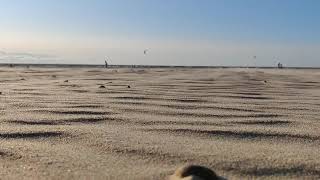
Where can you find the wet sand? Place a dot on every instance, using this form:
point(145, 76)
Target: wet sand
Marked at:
point(242, 123)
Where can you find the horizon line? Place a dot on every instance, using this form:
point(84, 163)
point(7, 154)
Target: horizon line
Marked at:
point(74, 65)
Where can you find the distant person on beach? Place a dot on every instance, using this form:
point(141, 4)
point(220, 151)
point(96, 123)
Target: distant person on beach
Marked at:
point(106, 64)
point(280, 65)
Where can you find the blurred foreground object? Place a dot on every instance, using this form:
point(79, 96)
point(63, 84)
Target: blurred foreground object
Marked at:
point(194, 172)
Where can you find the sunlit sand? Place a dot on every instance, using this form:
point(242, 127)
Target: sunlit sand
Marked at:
point(95, 123)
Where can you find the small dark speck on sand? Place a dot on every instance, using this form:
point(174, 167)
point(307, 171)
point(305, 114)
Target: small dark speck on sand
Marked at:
point(66, 81)
point(265, 81)
point(102, 86)
point(129, 87)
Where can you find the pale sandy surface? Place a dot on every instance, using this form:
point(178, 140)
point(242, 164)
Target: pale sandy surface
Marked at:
point(227, 119)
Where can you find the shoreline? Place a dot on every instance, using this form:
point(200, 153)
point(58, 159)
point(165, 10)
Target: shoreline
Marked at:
point(141, 66)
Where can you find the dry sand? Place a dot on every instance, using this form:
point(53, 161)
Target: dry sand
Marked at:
point(229, 120)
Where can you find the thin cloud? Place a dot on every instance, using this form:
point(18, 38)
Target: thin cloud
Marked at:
point(22, 57)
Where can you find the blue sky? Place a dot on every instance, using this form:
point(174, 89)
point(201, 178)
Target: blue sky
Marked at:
point(176, 32)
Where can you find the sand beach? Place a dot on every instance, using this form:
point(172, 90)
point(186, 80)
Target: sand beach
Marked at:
point(59, 123)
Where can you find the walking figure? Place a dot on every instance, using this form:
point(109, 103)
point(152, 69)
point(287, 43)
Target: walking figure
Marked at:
point(106, 64)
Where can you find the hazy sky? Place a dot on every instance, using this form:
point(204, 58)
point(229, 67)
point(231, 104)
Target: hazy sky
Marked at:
point(176, 32)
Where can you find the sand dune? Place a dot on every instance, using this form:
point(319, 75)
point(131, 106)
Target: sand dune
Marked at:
point(242, 123)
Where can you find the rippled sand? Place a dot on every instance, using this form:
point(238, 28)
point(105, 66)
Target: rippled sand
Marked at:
point(243, 123)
